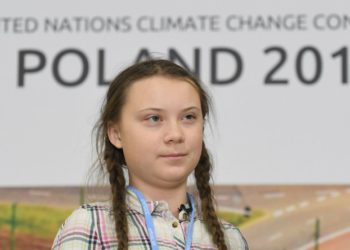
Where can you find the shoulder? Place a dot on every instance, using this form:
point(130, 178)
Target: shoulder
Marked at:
point(88, 215)
point(81, 229)
point(233, 236)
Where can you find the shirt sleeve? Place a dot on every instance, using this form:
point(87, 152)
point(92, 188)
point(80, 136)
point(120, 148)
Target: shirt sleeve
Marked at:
point(77, 232)
point(234, 238)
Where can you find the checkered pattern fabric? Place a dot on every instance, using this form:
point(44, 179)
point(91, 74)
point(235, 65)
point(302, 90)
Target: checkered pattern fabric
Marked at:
point(91, 227)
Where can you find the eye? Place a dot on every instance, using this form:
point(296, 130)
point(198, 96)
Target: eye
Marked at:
point(153, 118)
point(190, 117)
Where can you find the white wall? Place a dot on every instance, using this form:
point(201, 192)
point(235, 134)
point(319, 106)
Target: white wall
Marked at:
point(265, 133)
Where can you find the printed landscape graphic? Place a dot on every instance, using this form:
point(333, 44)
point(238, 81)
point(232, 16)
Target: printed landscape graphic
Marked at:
point(294, 217)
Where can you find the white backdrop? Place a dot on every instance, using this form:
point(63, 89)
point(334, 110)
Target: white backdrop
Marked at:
point(284, 119)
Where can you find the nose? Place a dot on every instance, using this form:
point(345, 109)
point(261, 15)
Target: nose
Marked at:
point(173, 133)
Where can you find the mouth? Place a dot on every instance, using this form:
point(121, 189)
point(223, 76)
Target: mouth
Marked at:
point(173, 156)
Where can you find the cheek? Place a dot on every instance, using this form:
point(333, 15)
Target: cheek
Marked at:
point(196, 145)
point(137, 141)
point(196, 138)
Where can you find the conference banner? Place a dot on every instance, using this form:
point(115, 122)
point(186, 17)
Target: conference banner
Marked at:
point(278, 75)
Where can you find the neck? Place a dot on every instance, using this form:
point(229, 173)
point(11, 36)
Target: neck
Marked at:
point(174, 196)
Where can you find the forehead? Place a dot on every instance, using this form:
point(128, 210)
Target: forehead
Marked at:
point(163, 91)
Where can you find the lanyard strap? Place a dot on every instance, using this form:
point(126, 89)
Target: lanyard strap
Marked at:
point(149, 221)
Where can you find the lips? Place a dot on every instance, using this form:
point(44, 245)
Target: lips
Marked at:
point(173, 155)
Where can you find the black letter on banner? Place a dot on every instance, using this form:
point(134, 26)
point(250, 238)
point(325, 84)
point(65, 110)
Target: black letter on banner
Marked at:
point(269, 78)
point(101, 68)
point(343, 54)
point(21, 64)
point(213, 59)
point(143, 53)
point(299, 67)
point(173, 56)
point(84, 73)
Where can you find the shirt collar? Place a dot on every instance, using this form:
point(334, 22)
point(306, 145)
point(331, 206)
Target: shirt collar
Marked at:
point(160, 208)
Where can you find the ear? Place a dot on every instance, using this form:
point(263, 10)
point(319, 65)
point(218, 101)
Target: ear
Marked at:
point(114, 135)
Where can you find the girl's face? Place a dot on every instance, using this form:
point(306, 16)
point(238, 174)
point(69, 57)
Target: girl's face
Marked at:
point(160, 131)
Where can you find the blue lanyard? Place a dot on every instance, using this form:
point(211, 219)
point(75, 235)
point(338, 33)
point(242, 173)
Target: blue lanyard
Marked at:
point(149, 221)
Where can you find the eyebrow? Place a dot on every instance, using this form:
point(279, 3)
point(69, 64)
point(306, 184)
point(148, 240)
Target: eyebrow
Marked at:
point(159, 109)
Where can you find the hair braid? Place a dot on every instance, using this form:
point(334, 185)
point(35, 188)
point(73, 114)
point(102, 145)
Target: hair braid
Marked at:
point(202, 174)
point(113, 157)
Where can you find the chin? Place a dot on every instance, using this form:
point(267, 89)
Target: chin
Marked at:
point(174, 179)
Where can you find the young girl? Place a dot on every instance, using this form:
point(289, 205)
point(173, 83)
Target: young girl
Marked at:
point(152, 125)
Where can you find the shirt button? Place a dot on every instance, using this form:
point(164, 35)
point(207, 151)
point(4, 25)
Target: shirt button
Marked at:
point(175, 224)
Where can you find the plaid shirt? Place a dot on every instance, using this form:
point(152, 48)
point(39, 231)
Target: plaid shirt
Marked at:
point(91, 227)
